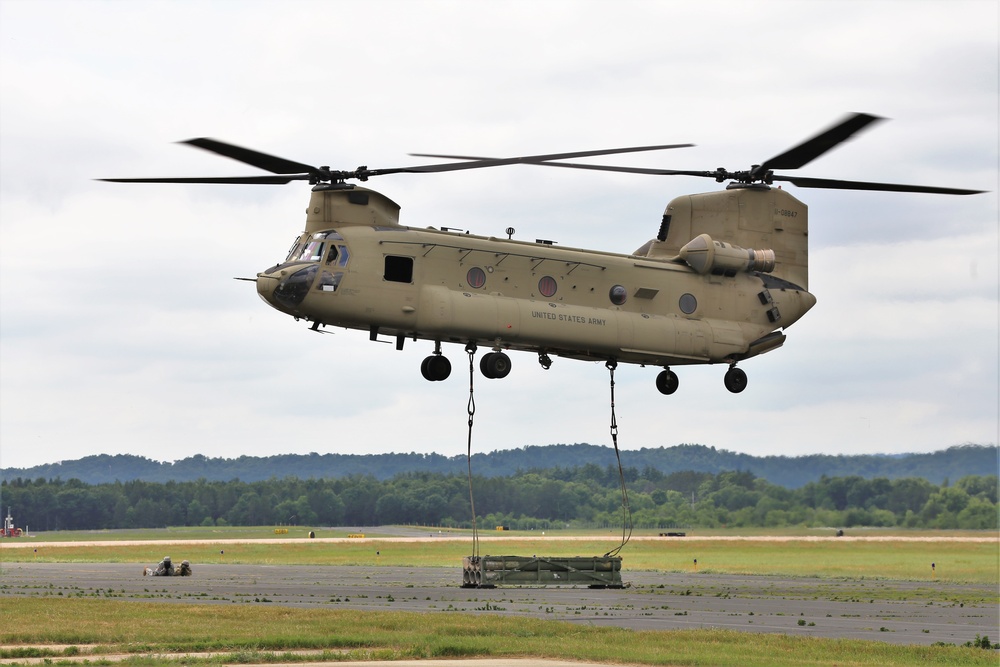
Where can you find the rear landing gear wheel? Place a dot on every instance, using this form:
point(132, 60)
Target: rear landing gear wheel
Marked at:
point(667, 381)
point(435, 368)
point(495, 365)
point(736, 380)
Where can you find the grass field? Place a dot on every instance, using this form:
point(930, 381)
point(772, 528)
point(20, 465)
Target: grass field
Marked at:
point(149, 633)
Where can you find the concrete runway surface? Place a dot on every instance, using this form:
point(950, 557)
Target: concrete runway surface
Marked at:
point(888, 611)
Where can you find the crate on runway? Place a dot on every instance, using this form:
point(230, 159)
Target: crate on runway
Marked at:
point(592, 571)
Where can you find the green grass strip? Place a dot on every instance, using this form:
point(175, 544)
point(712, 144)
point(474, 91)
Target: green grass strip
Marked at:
point(260, 635)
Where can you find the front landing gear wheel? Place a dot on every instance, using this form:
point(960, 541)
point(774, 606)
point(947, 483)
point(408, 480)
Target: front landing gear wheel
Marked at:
point(667, 381)
point(435, 368)
point(736, 380)
point(495, 365)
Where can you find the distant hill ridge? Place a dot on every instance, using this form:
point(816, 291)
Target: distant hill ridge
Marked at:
point(791, 472)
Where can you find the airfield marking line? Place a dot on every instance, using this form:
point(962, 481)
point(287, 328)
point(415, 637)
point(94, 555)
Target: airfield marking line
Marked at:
point(477, 662)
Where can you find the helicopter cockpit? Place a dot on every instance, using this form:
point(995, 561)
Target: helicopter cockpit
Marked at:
point(323, 255)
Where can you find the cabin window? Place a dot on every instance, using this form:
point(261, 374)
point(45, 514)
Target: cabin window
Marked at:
point(476, 277)
point(688, 304)
point(398, 269)
point(618, 294)
point(547, 286)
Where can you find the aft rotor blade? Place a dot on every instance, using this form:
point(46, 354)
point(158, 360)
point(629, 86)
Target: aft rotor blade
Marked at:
point(535, 159)
point(236, 180)
point(802, 182)
point(812, 148)
point(544, 161)
point(626, 170)
point(271, 163)
point(836, 184)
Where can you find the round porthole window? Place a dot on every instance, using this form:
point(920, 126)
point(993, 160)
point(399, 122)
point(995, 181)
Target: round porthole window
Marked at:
point(476, 277)
point(688, 303)
point(547, 286)
point(618, 295)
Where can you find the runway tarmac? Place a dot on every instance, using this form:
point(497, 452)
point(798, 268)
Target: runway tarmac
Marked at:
point(888, 611)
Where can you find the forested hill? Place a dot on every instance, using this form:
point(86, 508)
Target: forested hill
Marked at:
point(790, 472)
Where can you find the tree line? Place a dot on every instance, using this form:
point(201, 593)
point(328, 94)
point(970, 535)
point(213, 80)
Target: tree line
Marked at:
point(790, 471)
point(582, 496)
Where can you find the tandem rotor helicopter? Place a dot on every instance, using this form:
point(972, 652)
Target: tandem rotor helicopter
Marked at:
point(726, 274)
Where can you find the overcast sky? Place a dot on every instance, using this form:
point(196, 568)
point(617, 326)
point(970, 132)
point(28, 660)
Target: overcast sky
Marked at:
point(122, 331)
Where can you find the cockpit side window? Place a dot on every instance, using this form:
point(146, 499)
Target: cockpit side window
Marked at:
point(328, 282)
point(332, 256)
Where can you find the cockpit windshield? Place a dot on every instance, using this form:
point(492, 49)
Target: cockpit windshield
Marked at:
point(310, 247)
point(311, 251)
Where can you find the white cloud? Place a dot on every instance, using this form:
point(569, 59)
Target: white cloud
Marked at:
point(122, 331)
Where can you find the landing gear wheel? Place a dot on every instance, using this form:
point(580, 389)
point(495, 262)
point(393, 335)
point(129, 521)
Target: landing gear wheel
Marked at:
point(495, 365)
point(435, 368)
point(667, 381)
point(736, 380)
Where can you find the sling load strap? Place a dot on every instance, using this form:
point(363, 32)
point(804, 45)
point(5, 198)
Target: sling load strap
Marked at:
point(626, 510)
point(471, 350)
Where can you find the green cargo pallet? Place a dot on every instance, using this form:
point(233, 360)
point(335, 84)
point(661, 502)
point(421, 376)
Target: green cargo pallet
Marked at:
point(491, 571)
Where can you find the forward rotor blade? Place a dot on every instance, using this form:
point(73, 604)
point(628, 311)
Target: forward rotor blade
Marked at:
point(811, 149)
point(836, 184)
point(235, 180)
point(290, 170)
point(271, 163)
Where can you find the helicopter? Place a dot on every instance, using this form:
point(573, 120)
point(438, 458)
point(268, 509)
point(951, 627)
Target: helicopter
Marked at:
point(724, 277)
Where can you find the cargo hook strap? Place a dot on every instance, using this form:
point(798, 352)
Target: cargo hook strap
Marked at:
point(471, 349)
point(626, 510)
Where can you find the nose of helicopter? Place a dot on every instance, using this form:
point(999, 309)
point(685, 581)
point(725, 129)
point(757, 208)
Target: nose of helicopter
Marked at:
point(265, 285)
point(795, 304)
point(285, 288)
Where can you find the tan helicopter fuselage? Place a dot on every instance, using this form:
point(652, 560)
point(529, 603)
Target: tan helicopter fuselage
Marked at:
point(694, 295)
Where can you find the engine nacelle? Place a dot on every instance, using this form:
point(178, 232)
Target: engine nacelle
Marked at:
point(705, 255)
